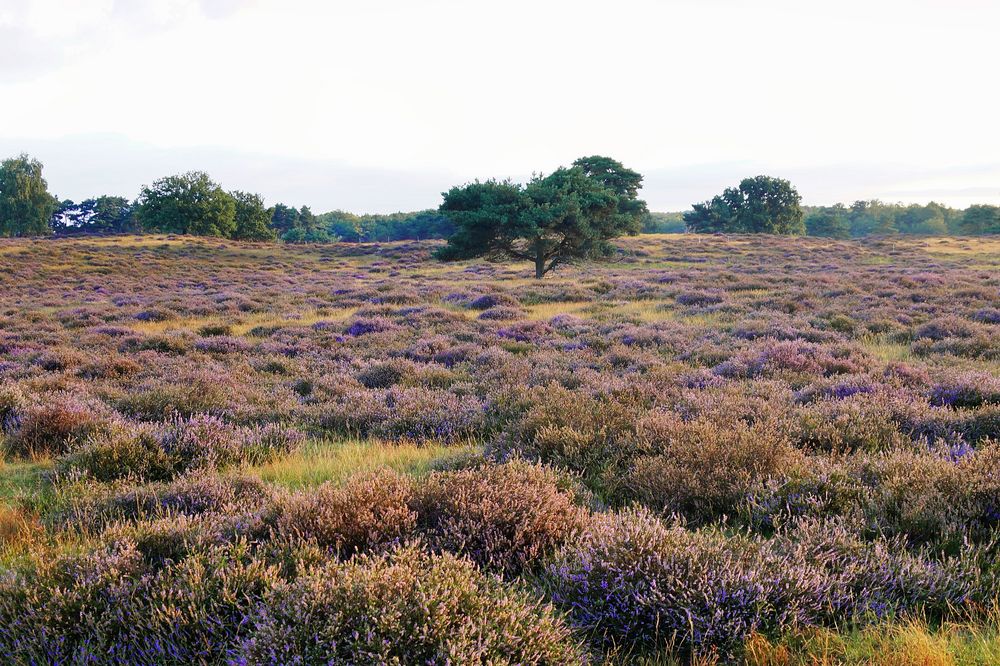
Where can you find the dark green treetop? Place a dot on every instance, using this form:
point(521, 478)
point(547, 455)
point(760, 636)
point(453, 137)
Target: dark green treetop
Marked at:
point(980, 219)
point(25, 203)
point(253, 220)
point(569, 214)
point(758, 205)
point(189, 203)
point(101, 215)
point(830, 222)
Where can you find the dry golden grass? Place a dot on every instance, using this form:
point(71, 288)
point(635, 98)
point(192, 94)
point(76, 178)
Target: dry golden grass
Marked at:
point(908, 643)
point(323, 461)
point(19, 529)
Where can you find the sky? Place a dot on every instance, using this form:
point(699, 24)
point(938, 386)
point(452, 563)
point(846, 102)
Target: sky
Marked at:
point(380, 105)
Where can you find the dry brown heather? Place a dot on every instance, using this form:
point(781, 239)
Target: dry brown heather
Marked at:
point(783, 450)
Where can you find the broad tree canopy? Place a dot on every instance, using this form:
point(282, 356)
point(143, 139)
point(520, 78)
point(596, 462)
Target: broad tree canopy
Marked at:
point(758, 205)
point(190, 203)
point(569, 214)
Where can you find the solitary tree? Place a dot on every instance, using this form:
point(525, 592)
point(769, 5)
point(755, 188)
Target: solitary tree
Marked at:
point(569, 214)
point(253, 220)
point(25, 203)
point(758, 205)
point(190, 203)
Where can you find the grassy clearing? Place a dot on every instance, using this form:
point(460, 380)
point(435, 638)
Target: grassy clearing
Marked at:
point(885, 350)
point(906, 643)
point(322, 461)
point(22, 481)
point(902, 644)
point(245, 324)
point(546, 311)
point(24, 493)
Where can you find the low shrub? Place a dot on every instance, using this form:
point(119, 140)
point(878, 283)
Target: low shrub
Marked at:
point(943, 499)
point(501, 313)
point(633, 581)
point(861, 422)
point(407, 607)
point(151, 452)
point(490, 301)
point(109, 607)
point(970, 389)
point(571, 429)
point(195, 393)
point(505, 517)
point(200, 492)
point(372, 511)
point(53, 426)
point(222, 344)
point(703, 468)
point(383, 375)
point(125, 451)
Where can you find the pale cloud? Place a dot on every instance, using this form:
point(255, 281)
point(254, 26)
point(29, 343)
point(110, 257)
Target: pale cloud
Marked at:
point(855, 98)
point(38, 35)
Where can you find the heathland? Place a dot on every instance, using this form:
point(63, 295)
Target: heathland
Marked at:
point(706, 448)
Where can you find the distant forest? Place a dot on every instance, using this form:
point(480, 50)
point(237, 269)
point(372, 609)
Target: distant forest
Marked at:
point(192, 203)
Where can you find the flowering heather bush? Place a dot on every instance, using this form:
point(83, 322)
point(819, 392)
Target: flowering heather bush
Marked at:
point(943, 328)
point(971, 389)
point(405, 413)
point(125, 451)
point(526, 331)
point(12, 400)
point(110, 607)
point(371, 511)
point(197, 392)
point(501, 313)
point(791, 357)
point(821, 417)
point(191, 495)
point(867, 580)
point(987, 315)
point(945, 499)
point(699, 298)
point(364, 326)
point(53, 427)
point(490, 301)
point(701, 469)
point(981, 346)
point(158, 453)
point(859, 422)
point(264, 443)
point(407, 607)
point(201, 441)
point(222, 344)
point(632, 580)
point(571, 429)
point(384, 375)
point(155, 315)
point(505, 518)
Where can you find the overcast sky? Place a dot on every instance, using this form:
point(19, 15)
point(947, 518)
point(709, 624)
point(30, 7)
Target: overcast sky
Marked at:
point(379, 105)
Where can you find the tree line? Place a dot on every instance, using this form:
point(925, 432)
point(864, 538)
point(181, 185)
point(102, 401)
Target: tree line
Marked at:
point(192, 203)
point(772, 205)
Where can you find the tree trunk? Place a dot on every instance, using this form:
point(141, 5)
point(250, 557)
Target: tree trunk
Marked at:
point(539, 265)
